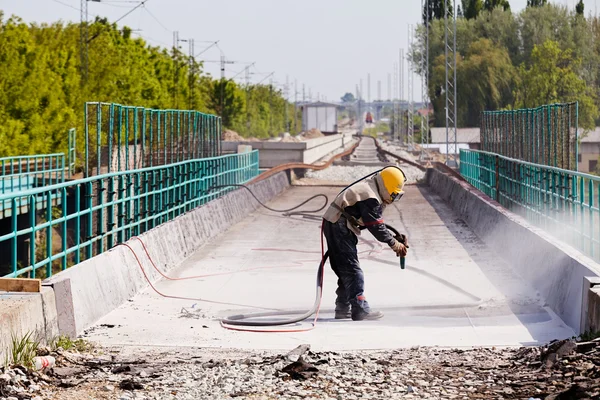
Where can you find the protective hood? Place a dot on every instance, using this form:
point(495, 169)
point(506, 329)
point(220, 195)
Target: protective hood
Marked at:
point(370, 188)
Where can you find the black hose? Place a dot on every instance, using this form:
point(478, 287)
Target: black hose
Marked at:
point(249, 319)
point(286, 212)
point(244, 319)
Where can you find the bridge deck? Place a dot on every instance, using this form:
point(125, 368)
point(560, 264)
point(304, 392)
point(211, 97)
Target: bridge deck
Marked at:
point(454, 292)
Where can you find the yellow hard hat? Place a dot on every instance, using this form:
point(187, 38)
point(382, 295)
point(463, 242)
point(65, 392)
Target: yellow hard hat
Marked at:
point(393, 179)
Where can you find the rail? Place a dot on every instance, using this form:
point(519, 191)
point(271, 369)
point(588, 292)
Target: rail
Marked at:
point(564, 203)
point(96, 213)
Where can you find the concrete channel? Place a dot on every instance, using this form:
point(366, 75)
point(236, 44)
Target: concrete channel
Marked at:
point(459, 289)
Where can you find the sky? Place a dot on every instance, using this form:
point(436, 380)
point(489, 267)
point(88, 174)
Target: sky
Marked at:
point(326, 46)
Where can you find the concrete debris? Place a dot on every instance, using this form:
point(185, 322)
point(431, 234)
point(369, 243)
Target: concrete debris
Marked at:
point(424, 372)
point(130, 384)
point(295, 354)
point(300, 370)
point(287, 138)
point(232, 136)
point(312, 134)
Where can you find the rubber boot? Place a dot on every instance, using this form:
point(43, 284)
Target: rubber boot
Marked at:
point(343, 314)
point(362, 315)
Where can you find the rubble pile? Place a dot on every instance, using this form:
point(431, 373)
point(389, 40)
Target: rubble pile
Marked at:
point(561, 370)
point(232, 136)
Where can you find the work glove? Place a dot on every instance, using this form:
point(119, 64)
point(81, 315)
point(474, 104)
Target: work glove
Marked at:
point(399, 248)
point(402, 238)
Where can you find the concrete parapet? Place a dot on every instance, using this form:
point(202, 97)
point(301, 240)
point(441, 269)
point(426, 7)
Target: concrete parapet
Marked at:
point(556, 270)
point(103, 283)
point(24, 313)
point(593, 315)
point(272, 154)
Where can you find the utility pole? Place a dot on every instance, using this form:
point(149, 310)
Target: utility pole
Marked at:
point(389, 87)
point(401, 96)
point(425, 84)
point(295, 106)
point(248, 99)
point(410, 131)
point(191, 72)
point(378, 99)
point(369, 91)
point(271, 107)
point(450, 61)
point(83, 41)
point(287, 88)
point(175, 72)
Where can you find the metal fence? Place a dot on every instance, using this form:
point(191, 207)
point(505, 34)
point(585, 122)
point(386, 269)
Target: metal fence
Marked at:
point(564, 203)
point(71, 151)
point(544, 135)
point(122, 138)
point(94, 214)
point(25, 172)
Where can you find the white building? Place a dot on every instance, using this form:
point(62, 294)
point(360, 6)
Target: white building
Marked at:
point(321, 116)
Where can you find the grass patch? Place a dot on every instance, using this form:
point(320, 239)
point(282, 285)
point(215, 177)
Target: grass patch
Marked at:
point(66, 343)
point(588, 336)
point(22, 351)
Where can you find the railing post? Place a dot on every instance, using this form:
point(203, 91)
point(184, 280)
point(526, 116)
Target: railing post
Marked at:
point(497, 158)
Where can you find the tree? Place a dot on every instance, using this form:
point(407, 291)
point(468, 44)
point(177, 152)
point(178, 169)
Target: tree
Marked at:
point(488, 76)
point(473, 8)
point(490, 5)
point(579, 8)
point(348, 98)
point(536, 3)
point(552, 78)
point(434, 9)
point(42, 93)
point(227, 100)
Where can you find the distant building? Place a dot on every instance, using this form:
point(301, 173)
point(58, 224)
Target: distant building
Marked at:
point(589, 151)
point(469, 138)
point(321, 116)
point(466, 138)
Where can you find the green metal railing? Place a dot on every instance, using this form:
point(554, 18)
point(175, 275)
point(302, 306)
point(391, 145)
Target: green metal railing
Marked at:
point(72, 147)
point(562, 202)
point(108, 209)
point(121, 138)
point(24, 172)
point(544, 135)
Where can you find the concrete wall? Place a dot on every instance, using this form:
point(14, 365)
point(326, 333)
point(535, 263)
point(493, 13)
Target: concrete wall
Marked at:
point(593, 315)
point(553, 268)
point(21, 314)
point(272, 154)
point(95, 287)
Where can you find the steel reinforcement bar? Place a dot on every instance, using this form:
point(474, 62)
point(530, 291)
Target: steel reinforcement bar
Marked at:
point(545, 135)
point(121, 138)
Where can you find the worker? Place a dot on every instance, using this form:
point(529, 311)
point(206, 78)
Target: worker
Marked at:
point(360, 205)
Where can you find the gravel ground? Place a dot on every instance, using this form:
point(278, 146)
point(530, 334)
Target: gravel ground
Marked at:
point(349, 174)
point(562, 370)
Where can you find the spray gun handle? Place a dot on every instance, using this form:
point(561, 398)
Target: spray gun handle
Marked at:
point(402, 239)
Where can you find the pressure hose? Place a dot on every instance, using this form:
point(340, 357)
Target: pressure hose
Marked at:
point(246, 322)
point(301, 315)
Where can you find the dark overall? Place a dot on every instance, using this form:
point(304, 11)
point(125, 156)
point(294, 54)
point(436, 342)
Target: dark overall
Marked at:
point(343, 255)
